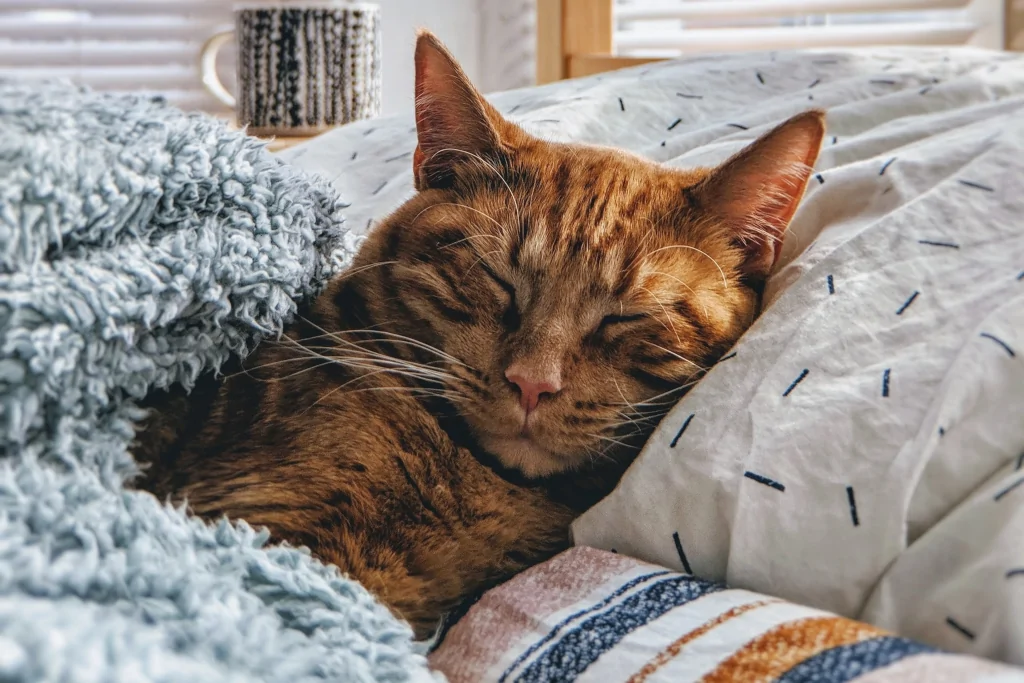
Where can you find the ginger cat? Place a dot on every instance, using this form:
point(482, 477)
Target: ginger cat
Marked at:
point(492, 361)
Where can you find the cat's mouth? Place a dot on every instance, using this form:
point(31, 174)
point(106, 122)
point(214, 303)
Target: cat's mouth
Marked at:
point(526, 454)
point(525, 432)
point(539, 443)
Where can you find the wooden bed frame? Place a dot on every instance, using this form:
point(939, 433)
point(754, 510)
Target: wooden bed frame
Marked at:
point(574, 38)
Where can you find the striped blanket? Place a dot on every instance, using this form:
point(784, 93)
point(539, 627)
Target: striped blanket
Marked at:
point(590, 615)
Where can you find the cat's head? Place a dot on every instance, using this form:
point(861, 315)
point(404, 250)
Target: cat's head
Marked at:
point(574, 290)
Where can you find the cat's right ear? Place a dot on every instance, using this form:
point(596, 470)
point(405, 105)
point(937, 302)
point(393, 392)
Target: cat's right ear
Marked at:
point(754, 194)
point(454, 123)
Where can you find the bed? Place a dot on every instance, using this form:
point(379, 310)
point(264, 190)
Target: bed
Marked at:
point(856, 463)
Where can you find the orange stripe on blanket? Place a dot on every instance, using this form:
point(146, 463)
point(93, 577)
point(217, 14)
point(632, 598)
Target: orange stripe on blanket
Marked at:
point(672, 651)
point(774, 653)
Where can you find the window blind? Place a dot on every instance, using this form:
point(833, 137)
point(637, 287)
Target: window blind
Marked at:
point(674, 27)
point(115, 45)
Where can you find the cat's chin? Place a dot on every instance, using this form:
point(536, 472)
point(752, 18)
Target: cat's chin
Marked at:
point(526, 455)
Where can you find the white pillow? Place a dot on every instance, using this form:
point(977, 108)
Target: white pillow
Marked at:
point(862, 451)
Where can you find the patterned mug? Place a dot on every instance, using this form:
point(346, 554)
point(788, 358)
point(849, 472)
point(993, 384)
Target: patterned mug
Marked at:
point(303, 66)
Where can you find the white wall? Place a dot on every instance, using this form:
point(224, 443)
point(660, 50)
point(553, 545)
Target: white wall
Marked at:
point(508, 50)
point(456, 22)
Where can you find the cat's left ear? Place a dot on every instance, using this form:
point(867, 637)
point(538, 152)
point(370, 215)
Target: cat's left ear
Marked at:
point(454, 123)
point(754, 194)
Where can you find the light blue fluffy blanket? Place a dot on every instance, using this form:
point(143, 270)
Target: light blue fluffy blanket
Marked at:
point(140, 247)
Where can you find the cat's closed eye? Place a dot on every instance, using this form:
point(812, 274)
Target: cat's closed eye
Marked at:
point(610, 320)
point(510, 318)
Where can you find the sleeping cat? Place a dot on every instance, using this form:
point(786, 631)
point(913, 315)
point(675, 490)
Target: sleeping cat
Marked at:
point(493, 359)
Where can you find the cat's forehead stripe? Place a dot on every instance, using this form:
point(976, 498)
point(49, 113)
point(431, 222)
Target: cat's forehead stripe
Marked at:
point(583, 202)
point(533, 243)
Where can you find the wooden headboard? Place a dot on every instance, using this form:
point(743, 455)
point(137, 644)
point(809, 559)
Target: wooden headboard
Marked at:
point(1015, 25)
point(575, 37)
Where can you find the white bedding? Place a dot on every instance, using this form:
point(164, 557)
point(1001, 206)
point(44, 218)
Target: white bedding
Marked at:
point(861, 451)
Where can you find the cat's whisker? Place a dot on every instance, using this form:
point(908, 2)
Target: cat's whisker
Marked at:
point(501, 227)
point(470, 238)
point(725, 280)
point(655, 404)
point(453, 397)
point(480, 258)
point(371, 370)
point(262, 366)
point(362, 269)
point(391, 365)
point(654, 412)
point(341, 387)
point(636, 416)
point(635, 421)
point(314, 337)
point(624, 399)
point(634, 261)
point(390, 368)
point(308, 358)
point(633, 433)
point(304, 351)
point(609, 439)
point(600, 454)
point(270, 380)
point(372, 356)
point(490, 166)
point(472, 383)
point(654, 400)
point(676, 355)
point(688, 287)
point(391, 335)
point(362, 359)
point(671, 327)
point(619, 389)
point(432, 367)
point(402, 339)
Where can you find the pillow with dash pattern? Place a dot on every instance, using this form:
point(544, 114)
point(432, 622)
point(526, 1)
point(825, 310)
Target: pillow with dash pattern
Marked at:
point(861, 450)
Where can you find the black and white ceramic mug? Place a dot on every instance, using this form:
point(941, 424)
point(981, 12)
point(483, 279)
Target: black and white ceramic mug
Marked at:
point(303, 66)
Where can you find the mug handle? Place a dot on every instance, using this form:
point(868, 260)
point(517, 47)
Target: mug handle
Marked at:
point(208, 67)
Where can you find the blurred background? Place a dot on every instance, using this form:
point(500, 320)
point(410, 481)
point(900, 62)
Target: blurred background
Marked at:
point(153, 45)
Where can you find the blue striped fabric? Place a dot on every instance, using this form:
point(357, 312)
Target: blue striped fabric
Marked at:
point(625, 588)
point(579, 648)
point(847, 662)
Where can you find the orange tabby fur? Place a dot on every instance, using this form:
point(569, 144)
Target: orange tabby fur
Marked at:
point(390, 429)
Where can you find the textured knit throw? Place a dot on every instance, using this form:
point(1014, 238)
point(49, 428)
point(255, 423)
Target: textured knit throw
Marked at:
point(140, 247)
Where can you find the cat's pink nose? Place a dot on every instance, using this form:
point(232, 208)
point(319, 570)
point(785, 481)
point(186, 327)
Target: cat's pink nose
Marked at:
point(533, 384)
